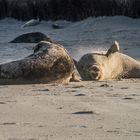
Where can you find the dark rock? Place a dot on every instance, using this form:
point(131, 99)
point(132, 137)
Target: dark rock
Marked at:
point(33, 37)
point(56, 26)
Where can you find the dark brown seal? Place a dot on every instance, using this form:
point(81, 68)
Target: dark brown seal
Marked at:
point(49, 63)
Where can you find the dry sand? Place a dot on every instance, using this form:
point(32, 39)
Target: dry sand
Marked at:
point(77, 111)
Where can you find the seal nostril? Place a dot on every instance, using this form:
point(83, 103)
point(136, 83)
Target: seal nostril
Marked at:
point(95, 75)
point(94, 68)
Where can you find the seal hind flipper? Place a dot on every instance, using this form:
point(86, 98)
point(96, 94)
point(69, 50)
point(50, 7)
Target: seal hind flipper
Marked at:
point(114, 48)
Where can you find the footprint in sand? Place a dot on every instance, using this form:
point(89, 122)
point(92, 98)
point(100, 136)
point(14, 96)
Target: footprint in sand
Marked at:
point(8, 123)
point(128, 98)
point(41, 90)
point(104, 85)
point(84, 113)
point(80, 86)
point(80, 94)
point(124, 87)
point(2, 103)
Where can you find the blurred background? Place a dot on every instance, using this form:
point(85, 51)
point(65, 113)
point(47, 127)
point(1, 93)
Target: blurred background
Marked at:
point(72, 10)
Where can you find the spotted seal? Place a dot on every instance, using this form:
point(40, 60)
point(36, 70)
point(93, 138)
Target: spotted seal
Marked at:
point(49, 63)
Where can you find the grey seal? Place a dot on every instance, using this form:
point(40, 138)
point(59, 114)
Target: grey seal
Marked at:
point(50, 63)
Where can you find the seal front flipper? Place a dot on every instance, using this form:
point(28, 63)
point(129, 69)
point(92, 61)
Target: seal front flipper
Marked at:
point(75, 78)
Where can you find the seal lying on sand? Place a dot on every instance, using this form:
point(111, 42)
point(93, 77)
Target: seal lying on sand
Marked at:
point(32, 22)
point(33, 37)
point(49, 63)
point(112, 65)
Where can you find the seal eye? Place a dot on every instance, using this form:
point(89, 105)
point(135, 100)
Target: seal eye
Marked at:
point(37, 47)
point(95, 72)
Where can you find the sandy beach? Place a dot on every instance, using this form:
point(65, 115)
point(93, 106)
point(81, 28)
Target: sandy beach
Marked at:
point(107, 110)
point(86, 110)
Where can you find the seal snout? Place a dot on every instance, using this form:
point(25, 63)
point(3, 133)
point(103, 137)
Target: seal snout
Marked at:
point(95, 72)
